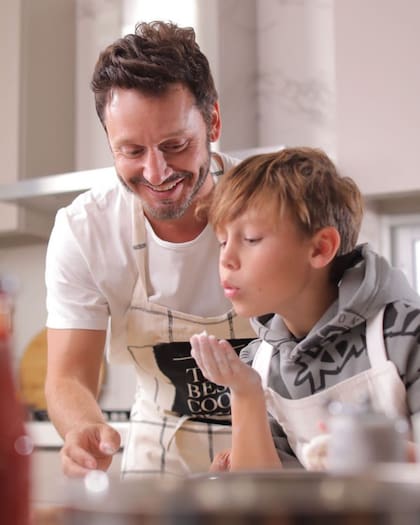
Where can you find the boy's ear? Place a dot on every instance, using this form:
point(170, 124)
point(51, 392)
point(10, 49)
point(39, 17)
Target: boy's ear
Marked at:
point(325, 244)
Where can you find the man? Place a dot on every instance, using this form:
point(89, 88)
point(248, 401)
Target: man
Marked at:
point(137, 257)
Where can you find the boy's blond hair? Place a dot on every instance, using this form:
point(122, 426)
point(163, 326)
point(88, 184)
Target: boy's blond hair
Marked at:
point(303, 181)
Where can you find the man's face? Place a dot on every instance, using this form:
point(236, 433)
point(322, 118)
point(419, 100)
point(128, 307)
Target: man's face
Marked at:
point(161, 148)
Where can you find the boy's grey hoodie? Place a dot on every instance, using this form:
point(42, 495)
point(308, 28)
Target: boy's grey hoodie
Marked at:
point(335, 348)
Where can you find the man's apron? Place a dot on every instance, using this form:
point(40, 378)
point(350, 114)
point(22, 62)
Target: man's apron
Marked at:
point(179, 420)
point(300, 418)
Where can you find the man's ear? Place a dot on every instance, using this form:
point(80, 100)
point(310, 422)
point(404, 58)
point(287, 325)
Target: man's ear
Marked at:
point(325, 244)
point(215, 124)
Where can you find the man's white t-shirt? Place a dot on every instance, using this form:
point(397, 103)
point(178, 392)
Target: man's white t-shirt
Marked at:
point(91, 269)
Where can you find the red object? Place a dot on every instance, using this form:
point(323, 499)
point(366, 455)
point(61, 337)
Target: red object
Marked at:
point(14, 443)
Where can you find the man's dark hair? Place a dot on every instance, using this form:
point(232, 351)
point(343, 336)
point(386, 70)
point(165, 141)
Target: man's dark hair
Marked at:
point(156, 56)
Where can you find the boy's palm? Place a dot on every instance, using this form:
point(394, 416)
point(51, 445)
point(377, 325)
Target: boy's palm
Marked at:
point(219, 363)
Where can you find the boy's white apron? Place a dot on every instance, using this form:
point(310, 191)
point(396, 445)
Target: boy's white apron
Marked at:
point(159, 440)
point(300, 418)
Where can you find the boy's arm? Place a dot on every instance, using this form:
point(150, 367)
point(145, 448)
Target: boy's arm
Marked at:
point(252, 443)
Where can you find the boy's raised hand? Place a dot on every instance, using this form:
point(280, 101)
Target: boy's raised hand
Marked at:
point(219, 363)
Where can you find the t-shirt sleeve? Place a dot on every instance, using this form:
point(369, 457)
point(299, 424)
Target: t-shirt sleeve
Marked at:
point(74, 299)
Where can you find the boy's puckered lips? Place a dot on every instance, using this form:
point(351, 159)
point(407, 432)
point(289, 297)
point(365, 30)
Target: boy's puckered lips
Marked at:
point(230, 290)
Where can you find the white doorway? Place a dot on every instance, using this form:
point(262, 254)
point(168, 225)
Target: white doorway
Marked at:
point(405, 247)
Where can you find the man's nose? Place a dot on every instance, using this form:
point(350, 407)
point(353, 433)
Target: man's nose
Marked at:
point(155, 167)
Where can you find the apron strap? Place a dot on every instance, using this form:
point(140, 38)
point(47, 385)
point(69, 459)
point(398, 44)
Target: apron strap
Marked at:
point(261, 361)
point(171, 435)
point(375, 344)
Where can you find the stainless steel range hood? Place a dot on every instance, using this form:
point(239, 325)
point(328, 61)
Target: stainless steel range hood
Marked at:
point(48, 194)
point(28, 207)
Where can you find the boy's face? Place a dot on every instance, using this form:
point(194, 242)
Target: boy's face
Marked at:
point(265, 264)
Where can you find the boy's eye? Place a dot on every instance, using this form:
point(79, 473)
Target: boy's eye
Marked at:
point(221, 240)
point(252, 240)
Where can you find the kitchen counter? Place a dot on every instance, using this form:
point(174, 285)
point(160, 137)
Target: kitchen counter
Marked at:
point(49, 485)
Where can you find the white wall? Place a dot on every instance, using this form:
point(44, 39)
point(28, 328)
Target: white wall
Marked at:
point(9, 91)
point(378, 93)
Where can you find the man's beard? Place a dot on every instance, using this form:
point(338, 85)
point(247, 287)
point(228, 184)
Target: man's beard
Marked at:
point(175, 210)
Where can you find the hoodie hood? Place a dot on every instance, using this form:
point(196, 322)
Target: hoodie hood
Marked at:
point(371, 284)
point(366, 286)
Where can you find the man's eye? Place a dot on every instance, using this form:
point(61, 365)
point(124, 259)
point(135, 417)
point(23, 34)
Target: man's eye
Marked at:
point(174, 147)
point(222, 243)
point(132, 153)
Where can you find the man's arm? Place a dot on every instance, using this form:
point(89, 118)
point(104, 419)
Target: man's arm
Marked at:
point(71, 387)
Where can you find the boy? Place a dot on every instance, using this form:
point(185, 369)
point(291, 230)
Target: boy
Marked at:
point(333, 320)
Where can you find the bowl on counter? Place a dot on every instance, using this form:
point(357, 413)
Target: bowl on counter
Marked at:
point(263, 498)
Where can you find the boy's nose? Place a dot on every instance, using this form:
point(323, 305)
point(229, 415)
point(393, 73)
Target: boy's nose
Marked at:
point(228, 258)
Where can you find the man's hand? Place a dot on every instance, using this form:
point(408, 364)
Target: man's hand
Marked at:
point(89, 447)
point(219, 363)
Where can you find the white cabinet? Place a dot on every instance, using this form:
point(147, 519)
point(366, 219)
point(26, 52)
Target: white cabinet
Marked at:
point(38, 40)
